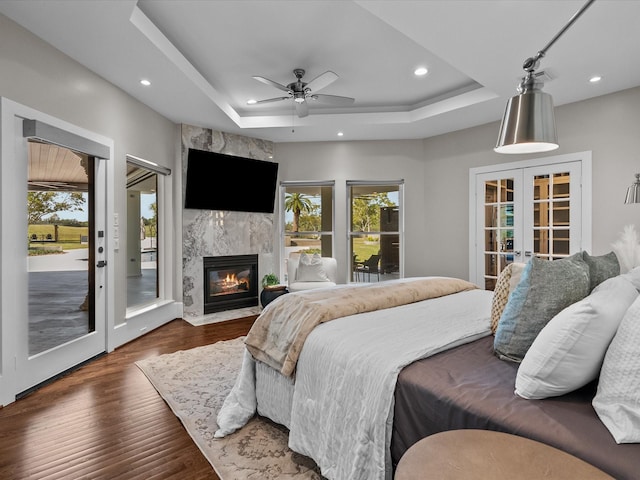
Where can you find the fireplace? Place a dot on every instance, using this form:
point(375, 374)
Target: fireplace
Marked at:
point(230, 282)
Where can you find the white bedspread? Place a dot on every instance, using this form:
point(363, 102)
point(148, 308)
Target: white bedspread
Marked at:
point(346, 375)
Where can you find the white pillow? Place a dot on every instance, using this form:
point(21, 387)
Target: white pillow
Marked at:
point(568, 352)
point(617, 401)
point(633, 276)
point(311, 269)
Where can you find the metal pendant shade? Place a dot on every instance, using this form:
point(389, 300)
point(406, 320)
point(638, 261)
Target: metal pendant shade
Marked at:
point(528, 124)
point(633, 192)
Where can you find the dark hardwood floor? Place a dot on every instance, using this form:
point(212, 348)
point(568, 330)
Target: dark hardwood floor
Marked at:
point(106, 421)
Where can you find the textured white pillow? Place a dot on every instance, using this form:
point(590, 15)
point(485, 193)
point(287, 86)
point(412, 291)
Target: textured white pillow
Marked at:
point(568, 352)
point(617, 401)
point(311, 269)
point(633, 276)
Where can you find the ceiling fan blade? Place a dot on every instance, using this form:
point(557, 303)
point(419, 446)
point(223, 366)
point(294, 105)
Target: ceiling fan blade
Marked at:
point(272, 83)
point(333, 99)
point(302, 109)
point(269, 100)
point(321, 81)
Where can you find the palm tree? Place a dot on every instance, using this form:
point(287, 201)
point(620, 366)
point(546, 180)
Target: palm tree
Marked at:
point(296, 203)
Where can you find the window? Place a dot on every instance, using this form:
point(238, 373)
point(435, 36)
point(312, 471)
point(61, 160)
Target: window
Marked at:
point(143, 239)
point(307, 212)
point(375, 233)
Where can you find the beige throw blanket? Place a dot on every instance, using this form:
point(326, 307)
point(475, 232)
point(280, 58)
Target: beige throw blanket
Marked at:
point(278, 334)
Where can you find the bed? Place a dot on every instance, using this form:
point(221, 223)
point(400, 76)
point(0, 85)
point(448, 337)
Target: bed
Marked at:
point(338, 404)
point(368, 385)
point(470, 387)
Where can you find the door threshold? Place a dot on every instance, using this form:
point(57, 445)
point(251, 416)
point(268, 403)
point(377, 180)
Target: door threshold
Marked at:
point(30, 390)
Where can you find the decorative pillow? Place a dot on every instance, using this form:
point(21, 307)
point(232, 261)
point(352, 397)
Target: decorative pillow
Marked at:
point(546, 288)
point(601, 268)
point(311, 269)
point(506, 282)
point(568, 352)
point(617, 401)
point(633, 276)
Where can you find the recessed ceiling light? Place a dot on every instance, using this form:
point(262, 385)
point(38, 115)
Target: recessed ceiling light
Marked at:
point(251, 101)
point(145, 82)
point(420, 71)
point(340, 134)
point(595, 79)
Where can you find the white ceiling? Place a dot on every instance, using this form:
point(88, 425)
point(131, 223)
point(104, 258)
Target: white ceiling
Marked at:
point(201, 55)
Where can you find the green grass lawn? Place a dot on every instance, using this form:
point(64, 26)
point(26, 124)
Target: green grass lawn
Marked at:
point(68, 237)
point(363, 250)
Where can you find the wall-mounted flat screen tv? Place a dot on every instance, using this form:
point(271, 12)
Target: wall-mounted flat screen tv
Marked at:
point(216, 181)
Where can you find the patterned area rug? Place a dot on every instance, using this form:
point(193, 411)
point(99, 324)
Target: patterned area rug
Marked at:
point(194, 383)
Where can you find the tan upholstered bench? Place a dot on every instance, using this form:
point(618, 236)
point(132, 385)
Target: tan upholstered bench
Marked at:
point(484, 454)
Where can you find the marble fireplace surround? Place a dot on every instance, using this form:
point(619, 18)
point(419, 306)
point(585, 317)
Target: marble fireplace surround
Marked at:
point(207, 233)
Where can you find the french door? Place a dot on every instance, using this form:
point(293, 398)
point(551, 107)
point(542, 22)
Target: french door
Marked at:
point(65, 314)
point(525, 211)
point(54, 248)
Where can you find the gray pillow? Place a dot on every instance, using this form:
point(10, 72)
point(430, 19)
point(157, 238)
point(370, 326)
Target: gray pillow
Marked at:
point(601, 268)
point(545, 288)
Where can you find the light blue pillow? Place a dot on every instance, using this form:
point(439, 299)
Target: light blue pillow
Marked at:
point(545, 288)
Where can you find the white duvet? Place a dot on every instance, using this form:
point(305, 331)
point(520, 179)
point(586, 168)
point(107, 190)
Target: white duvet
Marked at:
point(342, 408)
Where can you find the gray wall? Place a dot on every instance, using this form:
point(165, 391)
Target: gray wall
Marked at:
point(41, 77)
point(436, 171)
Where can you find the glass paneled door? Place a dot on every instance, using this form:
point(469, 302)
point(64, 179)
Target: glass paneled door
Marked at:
point(65, 278)
point(554, 211)
point(499, 217)
point(524, 212)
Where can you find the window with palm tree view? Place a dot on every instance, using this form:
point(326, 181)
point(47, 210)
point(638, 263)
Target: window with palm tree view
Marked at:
point(308, 218)
point(375, 230)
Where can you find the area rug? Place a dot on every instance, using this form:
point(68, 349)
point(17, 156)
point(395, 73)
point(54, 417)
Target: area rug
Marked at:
point(194, 383)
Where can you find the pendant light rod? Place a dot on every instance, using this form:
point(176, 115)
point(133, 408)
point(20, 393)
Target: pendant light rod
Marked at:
point(531, 63)
point(528, 124)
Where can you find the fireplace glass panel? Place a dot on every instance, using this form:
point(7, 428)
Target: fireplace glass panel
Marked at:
point(230, 282)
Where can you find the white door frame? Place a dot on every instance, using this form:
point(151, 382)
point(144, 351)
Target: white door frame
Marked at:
point(586, 217)
point(14, 278)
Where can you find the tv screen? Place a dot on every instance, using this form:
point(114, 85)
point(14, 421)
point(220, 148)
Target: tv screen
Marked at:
point(216, 181)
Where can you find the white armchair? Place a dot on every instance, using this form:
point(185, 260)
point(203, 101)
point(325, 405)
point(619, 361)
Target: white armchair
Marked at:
point(305, 272)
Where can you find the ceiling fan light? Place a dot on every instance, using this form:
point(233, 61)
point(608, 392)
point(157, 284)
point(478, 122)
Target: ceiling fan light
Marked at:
point(528, 125)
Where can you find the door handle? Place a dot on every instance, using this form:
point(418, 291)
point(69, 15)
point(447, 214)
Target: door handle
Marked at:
point(528, 253)
point(101, 264)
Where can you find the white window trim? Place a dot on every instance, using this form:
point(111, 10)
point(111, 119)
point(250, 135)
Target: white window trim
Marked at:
point(350, 233)
point(281, 223)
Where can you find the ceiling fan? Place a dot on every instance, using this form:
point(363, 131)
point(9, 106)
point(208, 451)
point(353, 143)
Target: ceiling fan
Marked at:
point(302, 92)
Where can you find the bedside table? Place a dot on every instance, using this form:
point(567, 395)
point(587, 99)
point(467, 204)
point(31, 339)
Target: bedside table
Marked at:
point(269, 294)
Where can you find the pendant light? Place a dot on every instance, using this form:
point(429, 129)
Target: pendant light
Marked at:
point(633, 192)
point(528, 124)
